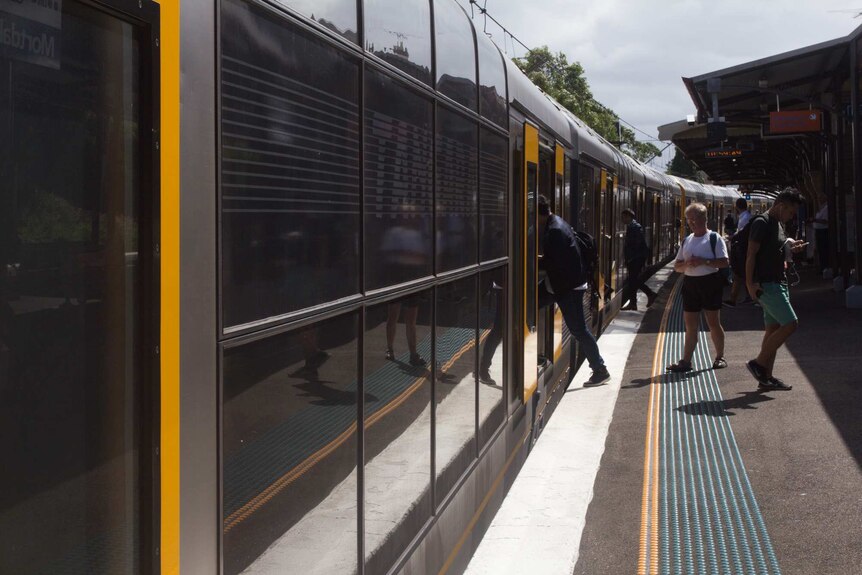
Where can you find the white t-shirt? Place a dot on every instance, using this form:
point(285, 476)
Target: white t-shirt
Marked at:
point(700, 247)
point(744, 217)
point(822, 214)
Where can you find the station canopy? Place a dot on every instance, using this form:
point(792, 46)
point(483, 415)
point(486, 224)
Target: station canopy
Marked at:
point(755, 146)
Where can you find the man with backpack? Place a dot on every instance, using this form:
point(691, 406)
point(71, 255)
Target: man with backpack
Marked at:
point(766, 281)
point(635, 253)
point(568, 259)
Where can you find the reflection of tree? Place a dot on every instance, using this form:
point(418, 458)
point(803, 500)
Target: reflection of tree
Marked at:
point(50, 218)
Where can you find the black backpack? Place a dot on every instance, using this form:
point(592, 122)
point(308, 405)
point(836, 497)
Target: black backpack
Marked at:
point(739, 248)
point(586, 245)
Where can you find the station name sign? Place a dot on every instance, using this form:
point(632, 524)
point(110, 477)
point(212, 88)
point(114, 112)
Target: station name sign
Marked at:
point(795, 121)
point(30, 31)
point(724, 153)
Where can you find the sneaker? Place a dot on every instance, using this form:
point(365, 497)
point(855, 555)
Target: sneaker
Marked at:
point(758, 371)
point(728, 303)
point(390, 355)
point(599, 377)
point(485, 377)
point(630, 307)
point(682, 366)
point(773, 384)
point(416, 360)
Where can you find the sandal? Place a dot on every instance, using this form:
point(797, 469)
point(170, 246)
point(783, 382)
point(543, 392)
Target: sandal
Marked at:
point(681, 366)
point(719, 363)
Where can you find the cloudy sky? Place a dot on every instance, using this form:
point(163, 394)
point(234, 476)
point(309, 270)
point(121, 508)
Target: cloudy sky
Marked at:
point(635, 51)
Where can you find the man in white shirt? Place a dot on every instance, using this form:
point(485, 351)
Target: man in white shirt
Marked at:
point(700, 256)
point(820, 222)
point(742, 214)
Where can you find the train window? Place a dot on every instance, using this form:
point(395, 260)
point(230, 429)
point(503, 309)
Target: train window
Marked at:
point(290, 168)
point(492, 81)
point(493, 355)
point(398, 183)
point(336, 15)
point(456, 53)
point(455, 386)
point(289, 406)
point(399, 32)
point(397, 391)
point(493, 195)
point(75, 255)
point(457, 191)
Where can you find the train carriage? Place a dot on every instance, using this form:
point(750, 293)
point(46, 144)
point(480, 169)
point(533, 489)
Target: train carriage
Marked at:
point(270, 282)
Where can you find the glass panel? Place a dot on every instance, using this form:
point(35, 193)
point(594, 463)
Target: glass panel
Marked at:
point(492, 81)
point(457, 194)
point(290, 168)
point(397, 427)
point(456, 53)
point(72, 222)
point(455, 394)
point(492, 354)
point(531, 255)
point(337, 15)
point(399, 32)
point(290, 451)
point(398, 183)
point(493, 196)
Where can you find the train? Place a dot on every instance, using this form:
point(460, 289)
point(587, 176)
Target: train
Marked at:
point(268, 281)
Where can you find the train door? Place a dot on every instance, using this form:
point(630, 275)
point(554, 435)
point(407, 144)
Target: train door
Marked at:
point(585, 219)
point(528, 230)
point(560, 206)
point(79, 287)
point(606, 238)
point(656, 228)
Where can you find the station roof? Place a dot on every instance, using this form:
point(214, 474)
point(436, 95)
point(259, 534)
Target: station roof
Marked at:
point(795, 80)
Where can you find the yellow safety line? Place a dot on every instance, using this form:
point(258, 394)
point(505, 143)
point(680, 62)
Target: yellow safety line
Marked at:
point(299, 470)
point(494, 486)
point(649, 503)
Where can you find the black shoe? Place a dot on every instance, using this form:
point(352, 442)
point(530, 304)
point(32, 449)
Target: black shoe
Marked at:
point(773, 384)
point(390, 355)
point(682, 366)
point(416, 360)
point(758, 371)
point(598, 377)
point(630, 307)
point(485, 377)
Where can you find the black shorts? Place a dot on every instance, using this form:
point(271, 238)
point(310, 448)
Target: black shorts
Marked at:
point(702, 292)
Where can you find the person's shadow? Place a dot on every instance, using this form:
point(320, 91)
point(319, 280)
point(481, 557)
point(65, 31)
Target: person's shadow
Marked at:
point(745, 400)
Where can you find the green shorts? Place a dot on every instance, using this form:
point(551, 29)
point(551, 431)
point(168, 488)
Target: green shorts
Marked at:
point(775, 301)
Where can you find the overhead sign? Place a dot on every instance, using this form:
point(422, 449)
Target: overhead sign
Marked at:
point(724, 153)
point(795, 121)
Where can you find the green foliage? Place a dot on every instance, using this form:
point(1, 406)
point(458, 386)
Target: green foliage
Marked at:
point(567, 84)
point(47, 218)
point(684, 168)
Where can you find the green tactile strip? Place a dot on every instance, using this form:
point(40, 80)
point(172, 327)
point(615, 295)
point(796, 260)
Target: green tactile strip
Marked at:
point(709, 520)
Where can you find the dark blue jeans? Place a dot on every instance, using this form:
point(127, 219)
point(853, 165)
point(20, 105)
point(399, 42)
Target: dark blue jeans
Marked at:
point(572, 307)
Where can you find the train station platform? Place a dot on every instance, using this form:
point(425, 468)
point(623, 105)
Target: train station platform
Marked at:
point(697, 472)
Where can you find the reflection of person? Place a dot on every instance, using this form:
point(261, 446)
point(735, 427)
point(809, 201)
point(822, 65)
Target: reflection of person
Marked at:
point(405, 249)
point(820, 222)
point(700, 256)
point(495, 334)
point(635, 252)
point(766, 281)
point(566, 284)
point(743, 217)
point(314, 356)
point(729, 224)
point(411, 311)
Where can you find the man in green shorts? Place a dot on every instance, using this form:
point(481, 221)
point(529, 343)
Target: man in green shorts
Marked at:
point(767, 284)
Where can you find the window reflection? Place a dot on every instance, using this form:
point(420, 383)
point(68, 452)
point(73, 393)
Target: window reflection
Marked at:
point(456, 54)
point(337, 15)
point(492, 81)
point(289, 451)
point(399, 32)
point(455, 394)
point(492, 354)
point(457, 194)
point(397, 427)
point(74, 265)
point(493, 200)
point(290, 168)
point(398, 183)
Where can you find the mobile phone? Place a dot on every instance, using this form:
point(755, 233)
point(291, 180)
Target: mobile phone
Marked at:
point(803, 244)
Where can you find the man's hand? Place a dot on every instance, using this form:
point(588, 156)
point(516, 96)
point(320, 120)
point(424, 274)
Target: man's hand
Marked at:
point(695, 261)
point(797, 245)
point(754, 290)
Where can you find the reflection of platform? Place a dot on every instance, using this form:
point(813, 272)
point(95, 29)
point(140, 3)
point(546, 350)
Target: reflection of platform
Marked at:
point(323, 541)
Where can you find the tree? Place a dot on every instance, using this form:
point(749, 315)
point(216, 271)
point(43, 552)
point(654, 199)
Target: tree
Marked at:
point(567, 84)
point(684, 168)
